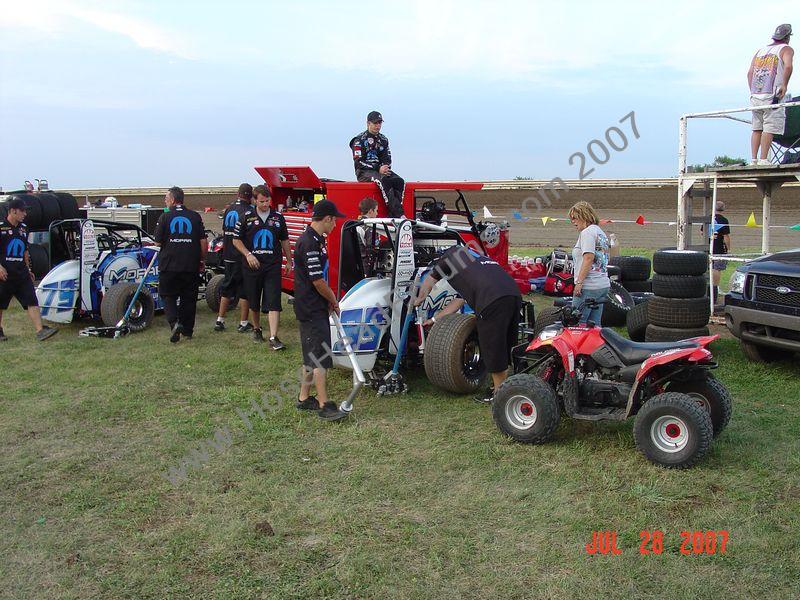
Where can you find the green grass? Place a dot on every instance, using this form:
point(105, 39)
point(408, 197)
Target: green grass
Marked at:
point(416, 496)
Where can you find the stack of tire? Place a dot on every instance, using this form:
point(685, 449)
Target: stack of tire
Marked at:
point(679, 308)
point(634, 272)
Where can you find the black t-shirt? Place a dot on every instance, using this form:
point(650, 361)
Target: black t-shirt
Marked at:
point(721, 229)
point(263, 237)
point(13, 245)
point(231, 225)
point(310, 264)
point(477, 278)
point(179, 232)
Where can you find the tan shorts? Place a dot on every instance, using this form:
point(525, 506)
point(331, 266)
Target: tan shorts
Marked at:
point(770, 121)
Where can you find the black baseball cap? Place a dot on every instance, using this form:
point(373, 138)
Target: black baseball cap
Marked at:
point(375, 117)
point(326, 208)
point(18, 203)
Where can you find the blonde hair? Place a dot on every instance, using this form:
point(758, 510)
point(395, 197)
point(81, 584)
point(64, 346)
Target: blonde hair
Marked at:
point(583, 210)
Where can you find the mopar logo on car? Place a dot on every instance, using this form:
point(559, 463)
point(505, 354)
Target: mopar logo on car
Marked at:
point(263, 240)
point(15, 248)
point(180, 225)
point(231, 219)
point(124, 268)
point(406, 240)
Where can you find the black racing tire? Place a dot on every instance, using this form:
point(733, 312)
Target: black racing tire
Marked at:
point(654, 333)
point(762, 354)
point(680, 262)
point(680, 286)
point(69, 205)
point(681, 313)
point(547, 316)
point(51, 208)
point(116, 300)
point(40, 261)
point(525, 408)
point(618, 302)
point(452, 355)
point(638, 286)
point(33, 218)
point(637, 322)
point(634, 268)
point(711, 395)
point(673, 431)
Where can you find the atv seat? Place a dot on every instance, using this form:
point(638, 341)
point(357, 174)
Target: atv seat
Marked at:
point(633, 353)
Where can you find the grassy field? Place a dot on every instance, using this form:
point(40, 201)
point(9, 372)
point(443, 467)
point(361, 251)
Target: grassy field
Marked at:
point(416, 496)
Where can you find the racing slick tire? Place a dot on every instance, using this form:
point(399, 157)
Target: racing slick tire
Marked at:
point(547, 316)
point(618, 302)
point(636, 322)
point(711, 395)
point(673, 431)
point(452, 355)
point(51, 208)
point(214, 294)
point(634, 268)
point(40, 262)
point(682, 313)
point(680, 286)
point(680, 262)
point(116, 300)
point(525, 409)
point(655, 333)
point(68, 205)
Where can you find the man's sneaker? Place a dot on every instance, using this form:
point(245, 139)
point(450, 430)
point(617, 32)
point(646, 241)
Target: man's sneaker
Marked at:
point(485, 397)
point(244, 328)
point(275, 343)
point(330, 412)
point(46, 333)
point(176, 333)
point(258, 336)
point(309, 403)
point(764, 162)
point(219, 326)
point(3, 337)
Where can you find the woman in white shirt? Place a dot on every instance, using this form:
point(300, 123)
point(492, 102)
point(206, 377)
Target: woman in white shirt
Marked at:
point(590, 259)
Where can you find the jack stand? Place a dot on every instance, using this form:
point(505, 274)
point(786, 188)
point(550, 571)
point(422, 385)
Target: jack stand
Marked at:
point(392, 384)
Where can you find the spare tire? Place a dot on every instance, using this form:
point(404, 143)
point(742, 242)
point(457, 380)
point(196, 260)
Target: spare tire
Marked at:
point(634, 268)
point(683, 313)
point(40, 261)
point(618, 302)
point(638, 286)
point(680, 262)
point(116, 300)
point(51, 208)
point(680, 286)
point(671, 334)
point(33, 218)
point(637, 322)
point(214, 294)
point(452, 354)
point(68, 205)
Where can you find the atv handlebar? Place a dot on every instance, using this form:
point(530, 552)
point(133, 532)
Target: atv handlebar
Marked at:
point(571, 314)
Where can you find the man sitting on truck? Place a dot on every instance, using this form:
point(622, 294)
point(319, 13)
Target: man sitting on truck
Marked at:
point(373, 162)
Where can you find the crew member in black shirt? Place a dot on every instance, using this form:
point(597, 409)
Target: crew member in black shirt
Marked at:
point(182, 238)
point(722, 245)
point(233, 285)
point(372, 160)
point(314, 300)
point(493, 295)
point(262, 236)
point(16, 277)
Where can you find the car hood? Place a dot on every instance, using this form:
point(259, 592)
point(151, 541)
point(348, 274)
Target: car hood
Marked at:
point(781, 263)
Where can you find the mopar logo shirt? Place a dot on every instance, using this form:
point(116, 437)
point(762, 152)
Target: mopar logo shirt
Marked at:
point(231, 228)
point(13, 245)
point(310, 264)
point(179, 232)
point(263, 237)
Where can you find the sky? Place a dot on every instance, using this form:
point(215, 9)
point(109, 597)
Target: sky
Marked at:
point(124, 93)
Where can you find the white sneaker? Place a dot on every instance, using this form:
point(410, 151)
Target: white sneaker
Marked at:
point(753, 161)
point(764, 162)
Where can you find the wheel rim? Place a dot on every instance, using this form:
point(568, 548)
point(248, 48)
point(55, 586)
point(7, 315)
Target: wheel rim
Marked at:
point(669, 434)
point(137, 311)
point(701, 401)
point(521, 412)
point(472, 358)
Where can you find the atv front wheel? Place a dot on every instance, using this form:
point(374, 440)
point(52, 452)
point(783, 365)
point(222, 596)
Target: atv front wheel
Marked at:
point(525, 408)
point(711, 396)
point(672, 431)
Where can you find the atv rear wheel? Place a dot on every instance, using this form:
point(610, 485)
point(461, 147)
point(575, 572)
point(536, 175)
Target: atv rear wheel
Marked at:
point(453, 356)
point(525, 408)
point(711, 396)
point(672, 431)
point(116, 300)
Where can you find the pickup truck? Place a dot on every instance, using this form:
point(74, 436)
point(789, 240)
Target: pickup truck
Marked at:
point(763, 306)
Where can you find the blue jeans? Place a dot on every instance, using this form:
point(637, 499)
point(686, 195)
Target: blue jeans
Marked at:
point(590, 314)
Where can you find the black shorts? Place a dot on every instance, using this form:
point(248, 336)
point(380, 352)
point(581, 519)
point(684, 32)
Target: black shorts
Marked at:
point(232, 284)
point(20, 288)
point(498, 326)
point(263, 288)
point(315, 343)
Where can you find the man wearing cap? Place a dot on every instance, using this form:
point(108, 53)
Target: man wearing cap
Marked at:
point(721, 232)
point(182, 238)
point(314, 300)
point(373, 162)
point(232, 284)
point(768, 78)
point(16, 277)
point(263, 241)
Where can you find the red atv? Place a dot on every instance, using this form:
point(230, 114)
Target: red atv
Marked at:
point(595, 374)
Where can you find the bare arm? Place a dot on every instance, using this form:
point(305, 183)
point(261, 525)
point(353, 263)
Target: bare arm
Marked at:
point(425, 289)
point(727, 240)
point(788, 67)
point(252, 261)
point(326, 292)
point(588, 259)
point(287, 252)
point(750, 73)
point(203, 249)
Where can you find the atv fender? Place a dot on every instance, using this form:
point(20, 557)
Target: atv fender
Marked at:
point(563, 349)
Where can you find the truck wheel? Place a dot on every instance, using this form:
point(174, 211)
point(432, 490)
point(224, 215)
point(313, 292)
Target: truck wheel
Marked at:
point(634, 268)
point(672, 431)
point(618, 302)
point(525, 409)
point(680, 286)
point(547, 316)
point(654, 333)
point(40, 262)
point(452, 355)
point(681, 313)
point(763, 354)
point(637, 322)
point(711, 396)
point(680, 262)
point(116, 300)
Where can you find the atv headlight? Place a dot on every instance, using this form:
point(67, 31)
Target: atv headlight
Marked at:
point(737, 282)
point(548, 333)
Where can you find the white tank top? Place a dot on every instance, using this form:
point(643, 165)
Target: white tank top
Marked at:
point(767, 72)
